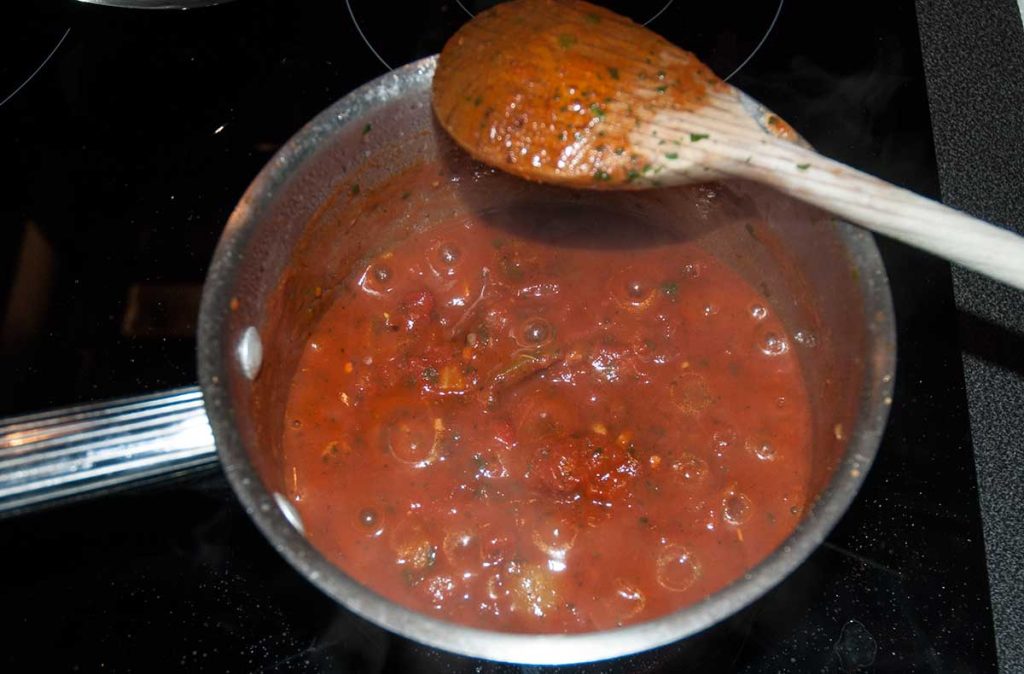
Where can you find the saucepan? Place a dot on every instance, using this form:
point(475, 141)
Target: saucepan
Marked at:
point(299, 230)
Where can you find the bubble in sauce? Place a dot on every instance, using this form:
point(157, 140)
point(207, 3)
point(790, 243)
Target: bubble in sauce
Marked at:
point(677, 568)
point(763, 450)
point(448, 253)
point(534, 590)
point(494, 586)
point(489, 466)
point(637, 295)
point(722, 440)
point(736, 508)
point(710, 310)
point(495, 547)
point(759, 312)
point(795, 501)
point(691, 270)
point(440, 589)
point(772, 344)
point(371, 521)
point(625, 602)
point(630, 291)
point(444, 259)
point(412, 546)
point(459, 544)
point(376, 280)
point(411, 436)
point(555, 536)
point(805, 338)
point(535, 332)
point(690, 468)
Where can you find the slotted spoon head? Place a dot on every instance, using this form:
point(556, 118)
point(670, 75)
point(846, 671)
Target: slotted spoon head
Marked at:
point(566, 92)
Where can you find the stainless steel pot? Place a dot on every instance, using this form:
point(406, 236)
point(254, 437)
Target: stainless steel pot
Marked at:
point(291, 230)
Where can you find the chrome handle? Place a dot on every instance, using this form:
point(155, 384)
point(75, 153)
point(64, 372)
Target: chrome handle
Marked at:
point(83, 450)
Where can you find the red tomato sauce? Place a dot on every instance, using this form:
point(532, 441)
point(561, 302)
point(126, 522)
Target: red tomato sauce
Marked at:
point(516, 431)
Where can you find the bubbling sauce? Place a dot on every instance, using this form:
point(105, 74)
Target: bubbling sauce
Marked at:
point(519, 428)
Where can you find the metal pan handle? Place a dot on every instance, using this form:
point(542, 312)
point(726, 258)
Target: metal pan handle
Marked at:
point(78, 451)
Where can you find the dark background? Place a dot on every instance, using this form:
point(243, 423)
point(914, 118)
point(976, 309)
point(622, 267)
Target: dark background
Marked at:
point(127, 152)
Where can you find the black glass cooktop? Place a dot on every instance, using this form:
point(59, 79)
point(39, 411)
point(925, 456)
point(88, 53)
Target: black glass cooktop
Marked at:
point(127, 138)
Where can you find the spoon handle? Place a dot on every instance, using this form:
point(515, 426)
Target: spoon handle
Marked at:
point(886, 209)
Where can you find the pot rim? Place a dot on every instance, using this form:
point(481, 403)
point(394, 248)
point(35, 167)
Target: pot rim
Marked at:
point(536, 649)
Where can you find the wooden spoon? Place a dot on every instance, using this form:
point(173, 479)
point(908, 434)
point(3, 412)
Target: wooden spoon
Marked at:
point(562, 91)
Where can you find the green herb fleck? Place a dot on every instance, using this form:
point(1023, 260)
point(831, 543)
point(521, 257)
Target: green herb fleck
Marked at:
point(620, 150)
point(510, 268)
point(662, 89)
point(566, 41)
point(477, 101)
point(670, 288)
point(406, 195)
point(367, 129)
point(614, 72)
point(593, 18)
point(694, 137)
point(803, 167)
point(596, 109)
point(671, 155)
point(602, 175)
point(355, 189)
